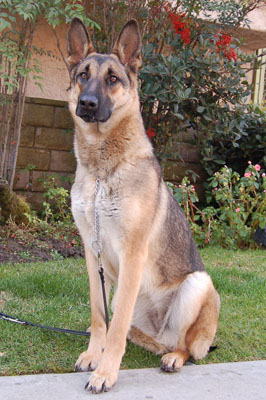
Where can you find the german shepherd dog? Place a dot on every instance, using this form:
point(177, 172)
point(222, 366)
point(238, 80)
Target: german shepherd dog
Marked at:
point(164, 300)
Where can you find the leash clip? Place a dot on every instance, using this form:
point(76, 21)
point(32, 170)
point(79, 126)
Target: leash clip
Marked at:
point(17, 321)
point(97, 247)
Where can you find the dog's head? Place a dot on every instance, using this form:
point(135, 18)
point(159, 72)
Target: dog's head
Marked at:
point(102, 82)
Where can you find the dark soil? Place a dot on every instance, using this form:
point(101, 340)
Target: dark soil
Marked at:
point(37, 248)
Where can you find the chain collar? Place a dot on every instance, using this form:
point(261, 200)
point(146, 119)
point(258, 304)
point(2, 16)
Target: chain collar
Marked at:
point(97, 247)
point(96, 244)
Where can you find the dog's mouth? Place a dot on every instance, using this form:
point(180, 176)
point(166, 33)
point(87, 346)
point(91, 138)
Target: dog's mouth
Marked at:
point(88, 118)
point(91, 117)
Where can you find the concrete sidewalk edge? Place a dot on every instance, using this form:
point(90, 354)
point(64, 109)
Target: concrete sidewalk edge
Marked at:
point(236, 381)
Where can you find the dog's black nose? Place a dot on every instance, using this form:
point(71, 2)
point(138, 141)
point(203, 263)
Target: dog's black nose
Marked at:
point(89, 102)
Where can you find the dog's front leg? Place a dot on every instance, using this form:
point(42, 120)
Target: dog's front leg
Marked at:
point(129, 281)
point(89, 359)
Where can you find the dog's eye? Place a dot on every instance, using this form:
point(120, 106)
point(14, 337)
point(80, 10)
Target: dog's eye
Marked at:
point(112, 79)
point(83, 75)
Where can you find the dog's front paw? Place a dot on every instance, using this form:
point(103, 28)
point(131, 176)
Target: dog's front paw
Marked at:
point(87, 362)
point(100, 382)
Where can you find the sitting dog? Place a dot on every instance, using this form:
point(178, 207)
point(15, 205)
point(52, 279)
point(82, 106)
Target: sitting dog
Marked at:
point(164, 300)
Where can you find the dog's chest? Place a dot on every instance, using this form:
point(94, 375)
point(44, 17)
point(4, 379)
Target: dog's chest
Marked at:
point(97, 209)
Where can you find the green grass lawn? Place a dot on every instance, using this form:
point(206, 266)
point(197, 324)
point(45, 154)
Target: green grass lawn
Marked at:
point(56, 294)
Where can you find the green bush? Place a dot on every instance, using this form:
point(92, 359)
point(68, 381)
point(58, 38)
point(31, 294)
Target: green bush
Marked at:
point(194, 81)
point(236, 151)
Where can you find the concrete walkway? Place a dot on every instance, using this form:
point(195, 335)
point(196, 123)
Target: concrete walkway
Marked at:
point(236, 381)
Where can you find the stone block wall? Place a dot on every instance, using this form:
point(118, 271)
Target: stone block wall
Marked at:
point(46, 148)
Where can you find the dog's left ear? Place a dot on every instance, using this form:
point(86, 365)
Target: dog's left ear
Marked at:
point(128, 45)
point(79, 44)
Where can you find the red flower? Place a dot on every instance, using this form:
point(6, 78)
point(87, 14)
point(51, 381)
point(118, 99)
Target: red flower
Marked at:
point(230, 54)
point(223, 45)
point(224, 40)
point(181, 26)
point(150, 132)
point(181, 23)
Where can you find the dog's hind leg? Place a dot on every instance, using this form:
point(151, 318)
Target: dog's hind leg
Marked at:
point(194, 314)
point(140, 338)
point(201, 334)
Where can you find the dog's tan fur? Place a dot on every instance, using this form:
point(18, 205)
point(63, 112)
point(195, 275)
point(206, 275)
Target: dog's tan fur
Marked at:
point(164, 300)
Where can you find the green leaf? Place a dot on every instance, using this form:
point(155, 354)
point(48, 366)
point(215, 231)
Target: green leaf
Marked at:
point(200, 109)
point(221, 162)
point(207, 117)
point(180, 116)
point(187, 92)
point(4, 24)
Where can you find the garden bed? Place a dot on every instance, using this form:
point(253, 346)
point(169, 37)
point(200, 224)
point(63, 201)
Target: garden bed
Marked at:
point(35, 247)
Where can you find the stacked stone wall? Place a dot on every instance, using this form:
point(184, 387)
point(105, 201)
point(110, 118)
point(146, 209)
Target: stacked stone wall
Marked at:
point(46, 148)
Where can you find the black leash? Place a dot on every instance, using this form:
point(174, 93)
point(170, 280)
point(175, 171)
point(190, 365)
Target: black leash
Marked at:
point(9, 318)
point(101, 273)
point(97, 247)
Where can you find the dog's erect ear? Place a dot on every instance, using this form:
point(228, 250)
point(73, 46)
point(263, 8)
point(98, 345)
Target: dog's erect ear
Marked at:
point(128, 46)
point(79, 44)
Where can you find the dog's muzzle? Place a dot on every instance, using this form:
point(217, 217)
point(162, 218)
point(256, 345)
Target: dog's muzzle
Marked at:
point(89, 110)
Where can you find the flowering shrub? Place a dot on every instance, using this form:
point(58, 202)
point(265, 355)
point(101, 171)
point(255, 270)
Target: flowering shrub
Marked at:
point(186, 195)
point(241, 203)
point(240, 207)
point(193, 78)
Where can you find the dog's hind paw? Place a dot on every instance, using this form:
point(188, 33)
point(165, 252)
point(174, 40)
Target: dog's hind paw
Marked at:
point(172, 362)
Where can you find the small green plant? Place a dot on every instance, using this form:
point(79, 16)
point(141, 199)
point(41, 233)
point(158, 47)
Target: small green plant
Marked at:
point(201, 222)
point(241, 203)
point(56, 255)
point(58, 205)
point(25, 255)
point(35, 221)
point(239, 207)
point(186, 195)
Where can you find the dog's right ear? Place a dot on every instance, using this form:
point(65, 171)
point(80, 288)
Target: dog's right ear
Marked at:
point(79, 44)
point(128, 45)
